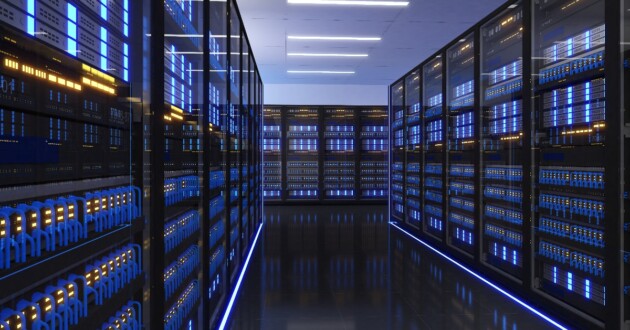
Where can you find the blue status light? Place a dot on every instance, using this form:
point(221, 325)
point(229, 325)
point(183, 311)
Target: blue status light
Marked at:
point(103, 49)
point(104, 9)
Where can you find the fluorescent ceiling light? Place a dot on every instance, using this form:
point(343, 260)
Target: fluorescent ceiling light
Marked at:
point(351, 2)
point(326, 55)
point(334, 38)
point(320, 72)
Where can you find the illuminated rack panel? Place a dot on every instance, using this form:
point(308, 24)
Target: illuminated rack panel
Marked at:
point(569, 189)
point(433, 145)
point(272, 148)
point(302, 154)
point(413, 148)
point(398, 136)
point(502, 141)
point(339, 161)
point(66, 190)
point(96, 36)
point(461, 135)
point(373, 167)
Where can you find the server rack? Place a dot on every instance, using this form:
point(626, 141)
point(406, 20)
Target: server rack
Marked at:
point(413, 149)
point(397, 179)
point(199, 143)
point(303, 165)
point(373, 153)
point(339, 157)
point(434, 170)
point(535, 154)
point(70, 202)
point(313, 154)
point(272, 148)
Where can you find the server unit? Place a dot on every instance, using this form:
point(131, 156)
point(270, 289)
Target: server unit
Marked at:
point(313, 154)
point(373, 153)
point(526, 164)
point(413, 148)
point(70, 204)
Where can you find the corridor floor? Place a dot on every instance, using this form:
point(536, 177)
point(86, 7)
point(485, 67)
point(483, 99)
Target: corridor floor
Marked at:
point(344, 267)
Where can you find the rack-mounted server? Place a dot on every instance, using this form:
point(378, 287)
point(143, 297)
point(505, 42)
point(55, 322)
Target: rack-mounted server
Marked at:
point(522, 172)
point(328, 153)
point(70, 208)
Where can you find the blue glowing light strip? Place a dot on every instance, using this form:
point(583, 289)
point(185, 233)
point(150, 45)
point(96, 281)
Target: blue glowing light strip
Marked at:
point(492, 285)
point(228, 309)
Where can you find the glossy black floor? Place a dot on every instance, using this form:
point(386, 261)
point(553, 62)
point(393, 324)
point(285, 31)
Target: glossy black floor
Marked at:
point(341, 267)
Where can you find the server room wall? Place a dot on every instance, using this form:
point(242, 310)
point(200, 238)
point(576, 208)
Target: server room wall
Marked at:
point(124, 203)
point(328, 154)
point(522, 178)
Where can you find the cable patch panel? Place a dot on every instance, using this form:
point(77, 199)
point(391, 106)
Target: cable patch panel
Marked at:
point(463, 102)
point(175, 317)
point(128, 317)
point(179, 229)
point(462, 188)
point(577, 284)
point(176, 273)
point(568, 207)
point(504, 235)
point(63, 305)
point(180, 188)
point(577, 177)
point(577, 233)
point(302, 186)
point(506, 253)
point(467, 171)
point(302, 164)
point(461, 220)
point(507, 215)
point(577, 260)
point(593, 61)
point(46, 226)
point(505, 173)
point(504, 193)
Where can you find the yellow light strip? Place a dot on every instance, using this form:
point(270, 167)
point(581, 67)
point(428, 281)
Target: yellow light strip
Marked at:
point(31, 71)
point(98, 73)
point(98, 85)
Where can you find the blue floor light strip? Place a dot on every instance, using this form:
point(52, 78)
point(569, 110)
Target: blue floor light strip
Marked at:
point(494, 286)
point(228, 309)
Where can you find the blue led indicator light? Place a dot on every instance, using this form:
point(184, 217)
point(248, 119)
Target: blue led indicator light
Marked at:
point(587, 289)
point(555, 274)
point(30, 25)
point(570, 47)
point(570, 281)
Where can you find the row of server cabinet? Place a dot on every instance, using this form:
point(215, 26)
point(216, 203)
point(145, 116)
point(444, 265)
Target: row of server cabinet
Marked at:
point(325, 154)
point(508, 152)
point(129, 163)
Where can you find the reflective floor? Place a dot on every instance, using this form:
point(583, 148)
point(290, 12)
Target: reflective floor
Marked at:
point(344, 267)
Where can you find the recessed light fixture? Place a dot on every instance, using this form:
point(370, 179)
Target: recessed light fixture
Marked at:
point(334, 38)
point(326, 55)
point(351, 3)
point(320, 72)
point(512, 6)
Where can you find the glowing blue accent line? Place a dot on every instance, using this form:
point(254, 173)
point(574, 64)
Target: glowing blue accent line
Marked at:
point(126, 30)
point(484, 280)
point(514, 257)
point(72, 13)
point(30, 7)
point(570, 281)
point(504, 120)
point(555, 52)
point(125, 49)
point(588, 104)
point(570, 46)
point(72, 30)
point(30, 25)
point(555, 110)
point(126, 74)
point(570, 108)
point(72, 47)
point(504, 253)
point(104, 63)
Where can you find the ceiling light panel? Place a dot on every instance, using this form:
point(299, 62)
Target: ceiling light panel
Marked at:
point(334, 38)
point(351, 3)
point(326, 55)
